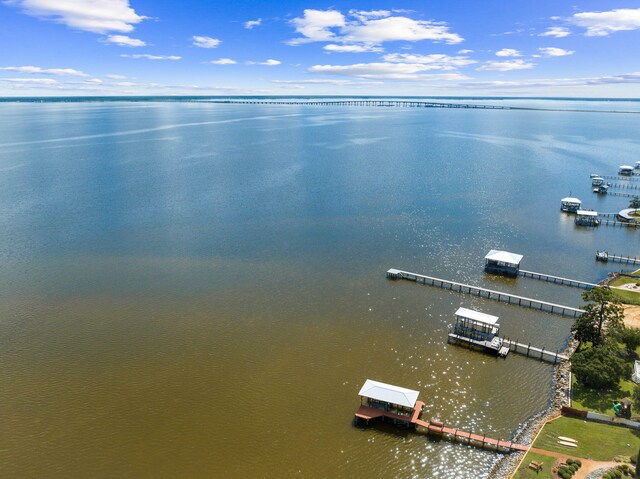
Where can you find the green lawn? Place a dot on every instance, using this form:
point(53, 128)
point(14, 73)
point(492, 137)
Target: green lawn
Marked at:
point(524, 472)
point(600, 401)
point(627, 297)
point(595, 441)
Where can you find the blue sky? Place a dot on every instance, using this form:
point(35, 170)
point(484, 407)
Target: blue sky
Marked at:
point(196, 47)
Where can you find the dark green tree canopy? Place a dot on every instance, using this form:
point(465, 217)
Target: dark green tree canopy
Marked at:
point(603, 315)
point(599, 367)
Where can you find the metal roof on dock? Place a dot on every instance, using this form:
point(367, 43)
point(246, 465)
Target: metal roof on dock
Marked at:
point(504, 256)
point(389, 393)
point(477, 316)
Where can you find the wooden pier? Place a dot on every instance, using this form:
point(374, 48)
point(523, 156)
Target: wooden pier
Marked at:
point(605, 256)
point(619, 193)
point(626, 186)
point(634, 177)
point(367, 414)
point(508, 346)
point(487, 293)
point(620, 224)
point(557, 279)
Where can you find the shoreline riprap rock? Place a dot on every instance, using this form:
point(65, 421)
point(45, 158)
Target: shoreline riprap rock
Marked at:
point(507, 465)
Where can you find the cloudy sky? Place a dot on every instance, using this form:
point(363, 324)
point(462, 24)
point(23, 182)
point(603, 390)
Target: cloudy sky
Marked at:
point(589, 48)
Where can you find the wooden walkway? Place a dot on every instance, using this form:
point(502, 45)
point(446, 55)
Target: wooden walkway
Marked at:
point(621, 224)
point(619, 193)
point(368, 413)
point(557, 279)
point(633, 177)
point(487, 293)
point(626, 186)
point(508, 345)
point(617, 258)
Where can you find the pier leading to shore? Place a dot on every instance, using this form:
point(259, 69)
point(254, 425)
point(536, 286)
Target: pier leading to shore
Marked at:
point(487, 293)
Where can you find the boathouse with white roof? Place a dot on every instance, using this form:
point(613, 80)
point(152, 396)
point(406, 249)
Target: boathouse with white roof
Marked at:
point(502, 262)
point(570, 205)
point(388, 397)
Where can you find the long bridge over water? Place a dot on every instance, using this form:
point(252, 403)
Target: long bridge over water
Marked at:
point(368, 102)
point(390, 103)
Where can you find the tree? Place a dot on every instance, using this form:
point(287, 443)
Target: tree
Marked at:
point(599, 367)
point(635, 202)
point(601, 316)
point(630, 337)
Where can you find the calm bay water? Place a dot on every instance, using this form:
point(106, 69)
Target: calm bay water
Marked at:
point(197, 290)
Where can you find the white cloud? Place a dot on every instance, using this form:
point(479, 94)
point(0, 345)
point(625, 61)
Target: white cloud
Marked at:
point(430, 62)
point(386, 70)
point(464, 52)
point(33, 81)
point(253, 23)
point(327, 82)
point(399, 29)
point(315, 25)
point(556, 32)
point(205, 42)
point(46, 71)
point(367, 15)
point(98, 16)
point(125, 41)
point(506, 65)
point(508, 52)
point(116, 77)
point(94, 81)
point(332, 47)
point(152, 57)
point(270, 62)
point(559, 82)
point(368, 28)
point(601, 24)
point(555, 52)
point(223, 61)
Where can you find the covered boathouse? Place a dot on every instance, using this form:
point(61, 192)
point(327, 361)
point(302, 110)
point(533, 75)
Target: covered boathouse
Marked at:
point(570, 205)
point(502, 262)
point(386, 400)
point(586, 218)
point(625, 170)
point(477, 329)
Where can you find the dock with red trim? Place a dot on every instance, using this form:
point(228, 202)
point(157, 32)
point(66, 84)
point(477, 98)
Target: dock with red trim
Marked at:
point(368, 413)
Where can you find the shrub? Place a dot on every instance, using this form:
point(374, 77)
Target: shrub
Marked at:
point(569, 461)
point(565, 475)
point(617, 473)
point(578, 462)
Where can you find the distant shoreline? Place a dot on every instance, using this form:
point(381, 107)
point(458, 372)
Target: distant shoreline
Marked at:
point(430, 102)
point(299, 97)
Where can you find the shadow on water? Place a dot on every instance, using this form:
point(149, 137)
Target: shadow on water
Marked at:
point(389, 429)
